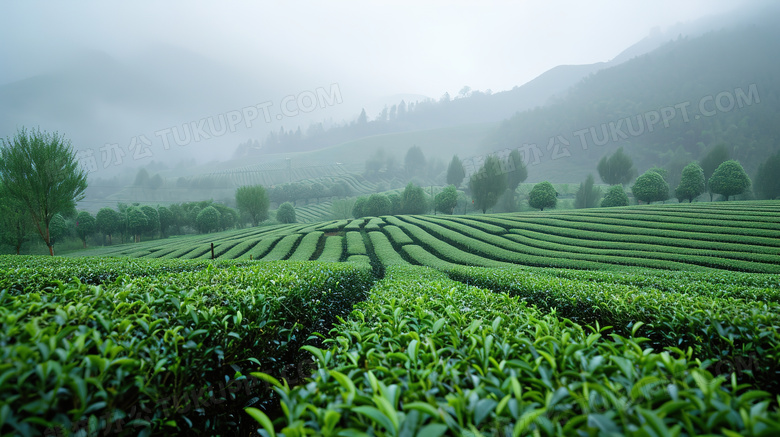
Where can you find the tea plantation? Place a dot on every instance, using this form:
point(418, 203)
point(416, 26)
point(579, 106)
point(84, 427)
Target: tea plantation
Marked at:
point(646, 321)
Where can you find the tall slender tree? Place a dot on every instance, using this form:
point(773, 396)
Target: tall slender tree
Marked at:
point(40, 170)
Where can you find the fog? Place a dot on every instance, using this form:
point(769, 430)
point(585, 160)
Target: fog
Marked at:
point(111, 73)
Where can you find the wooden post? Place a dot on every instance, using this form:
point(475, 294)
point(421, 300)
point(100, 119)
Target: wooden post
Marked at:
point(212, 250)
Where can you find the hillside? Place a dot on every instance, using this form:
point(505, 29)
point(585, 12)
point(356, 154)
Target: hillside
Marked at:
point(661, 107)
point(743, 236)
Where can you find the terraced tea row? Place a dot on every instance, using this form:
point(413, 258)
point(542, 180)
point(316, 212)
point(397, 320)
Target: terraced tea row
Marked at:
point(742, 236)
point(425, 355)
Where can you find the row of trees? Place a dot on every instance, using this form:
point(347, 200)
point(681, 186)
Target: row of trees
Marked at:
point(715, 174)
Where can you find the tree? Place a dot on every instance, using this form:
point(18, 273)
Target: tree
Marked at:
point(516, 171)
point(691, 184)
point(166, 219)
point(413, 200)
point(650, 187)
point(285, 213)
point(616, 169)
point(340, 189)
point(447, 200)
point(317, 191)
point(342, 208)
point(254, 202)
point(359, 207)
point(228, 217)
point(377, 204)
point(15, 224)
point(58, 228)
point(729, 179)
point(108, 222)
point(136, 221)
point(85, 226)
point(767, 180)
point(487, 184)
point(587, 195)
point(395, 203)
point(152, 220)
point(208, 219)
point(455, 172)
point(616, 196)
point(715, 157)
point(414, 162)
point(41, 172)
point(543, 195)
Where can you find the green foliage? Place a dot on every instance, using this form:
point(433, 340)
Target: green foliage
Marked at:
point(650, 187)
point(447, 200)
point(413, 200)
point(395, 203)
point(729, 179)
point(714, 158)
point(376, 205)
point(136, 221)
point(542, 196)
point(58, 228)
point(425, 355)
point(90, 353)
point(41, 172)
point(616, 196)
point(516, 171)
point(108, 222)
point(617, 169)
point(359, 207)
point(767, 182)
point(487, 184)
point(285, 213)
point(692, 183)
point(253, 201)
point(355, 244)
point(85, 226)
point(152, 220)
point(455, 172)
point(15, 223)
point(208, 219)
point(166, 219)
point(414, 162)
point(587, 195)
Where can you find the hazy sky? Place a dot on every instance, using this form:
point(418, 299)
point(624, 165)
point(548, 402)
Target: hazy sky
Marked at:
point(375, 48)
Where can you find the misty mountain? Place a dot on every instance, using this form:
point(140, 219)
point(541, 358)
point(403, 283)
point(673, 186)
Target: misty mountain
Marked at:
point(410, 113)
point(665, 108)
point(95, 99)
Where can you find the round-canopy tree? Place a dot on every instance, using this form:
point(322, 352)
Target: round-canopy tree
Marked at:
point(377, 204)
point(616, 196)
point(691, 184)
point(208, 219)
point(650, 187)
point(85, 226)
point(447, 200)
point(285, 213)
point(136, 221)
point(543, 195)
point(729, 179)
point(108, 222)
point(41, 172)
